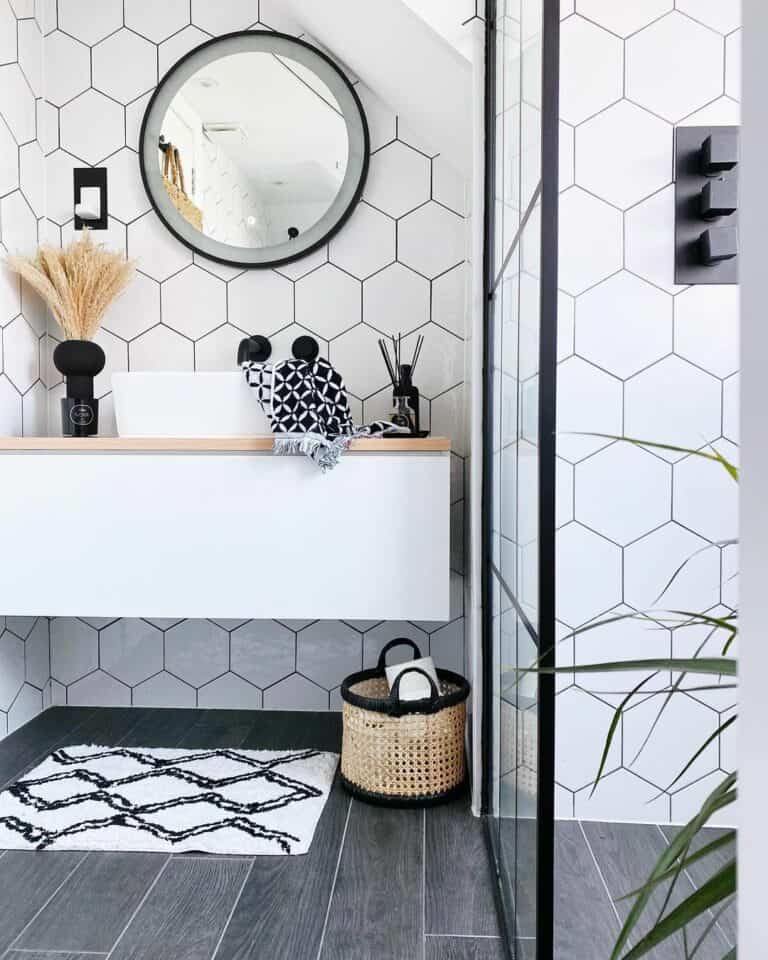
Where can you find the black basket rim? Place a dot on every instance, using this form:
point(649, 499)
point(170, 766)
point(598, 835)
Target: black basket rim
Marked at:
point(384, 704)
point(401, 800)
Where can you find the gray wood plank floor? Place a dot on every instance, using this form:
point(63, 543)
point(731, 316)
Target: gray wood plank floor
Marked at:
point(376, 883)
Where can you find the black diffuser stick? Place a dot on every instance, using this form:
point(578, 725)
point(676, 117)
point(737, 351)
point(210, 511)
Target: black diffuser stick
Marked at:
point(387, 361)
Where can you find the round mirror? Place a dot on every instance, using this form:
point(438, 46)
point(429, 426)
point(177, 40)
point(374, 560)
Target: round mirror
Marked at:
point(254, 149)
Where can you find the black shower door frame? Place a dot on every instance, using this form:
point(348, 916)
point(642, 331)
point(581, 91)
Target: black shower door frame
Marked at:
point(544, 637)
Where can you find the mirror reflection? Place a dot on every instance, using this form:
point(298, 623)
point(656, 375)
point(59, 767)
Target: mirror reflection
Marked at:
point(253, 150)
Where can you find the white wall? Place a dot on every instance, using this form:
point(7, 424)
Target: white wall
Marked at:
point(644, 358)
point(753, 786)
point(398, 264)
point(24, 642)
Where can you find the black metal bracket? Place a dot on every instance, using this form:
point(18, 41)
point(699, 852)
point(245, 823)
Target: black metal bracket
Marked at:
point(706, 205)
point(91, 177)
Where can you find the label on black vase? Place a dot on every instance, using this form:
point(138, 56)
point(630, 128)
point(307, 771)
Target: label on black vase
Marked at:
point(81, 415)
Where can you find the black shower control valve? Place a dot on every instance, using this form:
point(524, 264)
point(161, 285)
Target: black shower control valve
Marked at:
point(719, 198)
point(305, 348)
point(718, 244)
point(706, 205)
point(720, 152)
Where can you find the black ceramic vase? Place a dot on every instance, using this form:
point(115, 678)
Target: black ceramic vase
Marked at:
point(79, 361)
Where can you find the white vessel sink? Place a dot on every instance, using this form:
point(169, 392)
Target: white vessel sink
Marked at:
point(186, 405)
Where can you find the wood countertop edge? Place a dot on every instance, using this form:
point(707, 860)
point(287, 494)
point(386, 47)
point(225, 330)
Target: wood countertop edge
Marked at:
point(205, 444)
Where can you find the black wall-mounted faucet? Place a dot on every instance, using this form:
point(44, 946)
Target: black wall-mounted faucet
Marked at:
point(706, 204)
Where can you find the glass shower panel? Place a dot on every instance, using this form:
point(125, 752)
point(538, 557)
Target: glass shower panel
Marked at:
point(517, 473)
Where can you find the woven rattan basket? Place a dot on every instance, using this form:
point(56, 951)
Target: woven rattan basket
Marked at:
point(403, 752)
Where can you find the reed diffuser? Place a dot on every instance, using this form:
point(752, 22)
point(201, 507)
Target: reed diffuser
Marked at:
point(78, 283)
point(405, 396)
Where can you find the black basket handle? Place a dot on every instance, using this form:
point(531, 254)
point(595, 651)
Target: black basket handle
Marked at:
point(397, 706)
point(399, 642)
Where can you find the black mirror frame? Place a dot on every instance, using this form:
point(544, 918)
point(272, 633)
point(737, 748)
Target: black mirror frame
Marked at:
point(334, 226)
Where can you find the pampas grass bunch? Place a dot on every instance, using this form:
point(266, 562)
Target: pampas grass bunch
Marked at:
point(78, 282)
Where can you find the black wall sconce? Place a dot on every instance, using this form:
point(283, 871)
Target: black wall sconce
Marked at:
point(91, 198)
point(706, 205)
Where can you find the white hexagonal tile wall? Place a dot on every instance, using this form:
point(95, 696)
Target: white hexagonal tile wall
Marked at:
point(31, 54)
point(135, 310)
point(328, 301)
point(58, 174)
point(21, 350)
point(651, 563)
point(674, 66)
point(650, 237)
point(577, 758)
point(224, 16)
point(449, 300)
point(590, 240)
point(690, 415)
point(10, 409)
point(366, 244)
point(33, 176)
point(706, 497)
point(398, 179)
point(731, 408)
point(588, 401)
point(12, 674)
point(26, 706)
point(261, 301)
point(67, 68)
point(155, 21)
point(158, 253)
point(721, 15)
point(707, 327)
point(295, 693)
point(74, 649)
point(589, 571)
point(109, 59)
point(19, 225)
point(90, 22)
point(8, 48)
point(161, 349)
point(624, 154)
point(172, 50)
point(229, 692)
point(624, 18)
point(625, 639)
point(197, 651)
point(92, 126)
point(396, 300)
point(218, 350)
point(263, 652)
point(127, 197)
point(164, 690)
point(623, 492)
point(733, 65)
point(684, 722)
point(193, 302)
point(624, 324)
point(356, 355)
point(9, 160)
point(98, 689)
point(431, 239)
point(131, 650)
point(590, 69)
point(328, 651)
point(625, 792)
point(17, 103)
point(441, 362)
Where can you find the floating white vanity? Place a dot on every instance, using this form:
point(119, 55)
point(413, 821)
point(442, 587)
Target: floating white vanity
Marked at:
point(152, 527)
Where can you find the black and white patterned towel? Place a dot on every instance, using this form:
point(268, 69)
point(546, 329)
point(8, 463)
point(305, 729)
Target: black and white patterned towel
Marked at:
point(307, 406)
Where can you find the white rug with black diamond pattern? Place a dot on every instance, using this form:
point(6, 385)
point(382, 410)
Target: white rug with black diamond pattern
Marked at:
point(247, 802)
